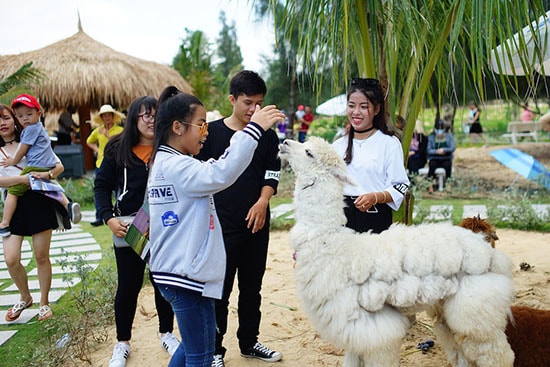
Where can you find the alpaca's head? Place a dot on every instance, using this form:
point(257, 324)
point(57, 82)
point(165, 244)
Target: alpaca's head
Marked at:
point(478, 225)
point(313, 159)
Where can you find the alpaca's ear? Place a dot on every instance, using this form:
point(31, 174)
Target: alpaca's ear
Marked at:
point(343, 176)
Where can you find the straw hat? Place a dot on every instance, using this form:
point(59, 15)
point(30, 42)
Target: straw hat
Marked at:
point(106, 108)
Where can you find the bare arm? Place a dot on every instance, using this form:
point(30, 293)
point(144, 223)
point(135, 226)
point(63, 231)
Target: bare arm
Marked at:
point(19, 154)
point(13, 180)
point(257, 213)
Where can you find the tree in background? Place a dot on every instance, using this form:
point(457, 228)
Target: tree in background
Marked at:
point(229, 62)
point(207, 71)
point(407, 44)
point(194, 63)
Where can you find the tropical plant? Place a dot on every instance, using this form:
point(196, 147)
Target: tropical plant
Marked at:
point(409, 45)
point(18, 82)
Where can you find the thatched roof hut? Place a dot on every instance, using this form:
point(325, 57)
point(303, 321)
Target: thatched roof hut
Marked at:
point(85, 74)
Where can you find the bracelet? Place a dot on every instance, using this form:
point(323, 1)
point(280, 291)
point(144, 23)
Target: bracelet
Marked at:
point(50, 173)
point(375, 198)
point(384, 193)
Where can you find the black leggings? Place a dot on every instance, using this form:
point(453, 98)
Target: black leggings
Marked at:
point(130, 269)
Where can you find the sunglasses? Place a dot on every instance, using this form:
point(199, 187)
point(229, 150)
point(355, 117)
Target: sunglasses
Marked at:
point(203, 128)
point(365, 82)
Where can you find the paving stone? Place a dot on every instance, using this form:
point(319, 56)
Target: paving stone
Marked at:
point(73, 258)
point(74, 249)
point(25, 317)
point(542, 210)
point(5, 335)
point(71, 236)
point(56, 270)
point(439, 213)
point(72, 243)
point(279, 210)
point(9, 300)
point(474, 210)
point(56, 283)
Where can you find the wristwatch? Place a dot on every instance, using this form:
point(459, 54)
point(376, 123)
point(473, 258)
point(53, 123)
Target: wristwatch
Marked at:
point(51, 174)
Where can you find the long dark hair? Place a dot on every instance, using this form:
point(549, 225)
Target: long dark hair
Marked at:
point(172, 105)
point(373, 91)
point(120, 146)
point(16, 125)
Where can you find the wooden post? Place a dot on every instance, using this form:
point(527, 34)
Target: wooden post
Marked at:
point(85, 129)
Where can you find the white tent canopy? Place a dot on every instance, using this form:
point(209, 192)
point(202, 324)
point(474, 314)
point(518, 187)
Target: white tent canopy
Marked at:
point(535, 55)
point(335, 106)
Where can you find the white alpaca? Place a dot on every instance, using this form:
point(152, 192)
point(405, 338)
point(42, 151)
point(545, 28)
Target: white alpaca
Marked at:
point(360, 290)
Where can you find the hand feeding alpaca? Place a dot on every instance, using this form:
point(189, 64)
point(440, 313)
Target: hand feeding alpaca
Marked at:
point(359, 290)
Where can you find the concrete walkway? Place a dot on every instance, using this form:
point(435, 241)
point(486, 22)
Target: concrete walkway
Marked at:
point(66, 246)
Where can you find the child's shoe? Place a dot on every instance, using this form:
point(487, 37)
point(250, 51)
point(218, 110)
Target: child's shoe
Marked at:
point(5, 231)
point(74, 212)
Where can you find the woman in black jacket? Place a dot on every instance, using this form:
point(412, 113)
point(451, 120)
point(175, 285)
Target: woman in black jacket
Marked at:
point(124, 170)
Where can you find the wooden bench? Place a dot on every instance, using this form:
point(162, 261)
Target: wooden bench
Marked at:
point(518, 129)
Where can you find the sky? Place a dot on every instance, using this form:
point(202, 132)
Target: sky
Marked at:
point(149, 30)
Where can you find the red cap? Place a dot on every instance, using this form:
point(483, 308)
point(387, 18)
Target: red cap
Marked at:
point(27, 100)
point(301, 107)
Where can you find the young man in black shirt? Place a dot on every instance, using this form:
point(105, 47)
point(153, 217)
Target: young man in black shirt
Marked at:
point(243, 210)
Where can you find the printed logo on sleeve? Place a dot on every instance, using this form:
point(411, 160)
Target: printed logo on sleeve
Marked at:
point(272, 175)
point(169, 219)
point(402, 188)
point(162, 194)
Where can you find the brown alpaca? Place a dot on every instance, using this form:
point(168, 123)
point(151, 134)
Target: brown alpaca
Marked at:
point(529, 332)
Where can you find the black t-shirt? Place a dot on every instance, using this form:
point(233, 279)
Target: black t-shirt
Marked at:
point(233, 203)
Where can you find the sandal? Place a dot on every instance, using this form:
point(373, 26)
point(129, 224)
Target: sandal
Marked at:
point(15, 311)
point(45, 313)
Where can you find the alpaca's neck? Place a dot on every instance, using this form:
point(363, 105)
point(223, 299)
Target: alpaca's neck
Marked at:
point(319, 203)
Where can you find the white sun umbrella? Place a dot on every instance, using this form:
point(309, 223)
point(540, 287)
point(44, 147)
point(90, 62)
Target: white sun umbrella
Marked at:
point(335, 106)
point(534, 56)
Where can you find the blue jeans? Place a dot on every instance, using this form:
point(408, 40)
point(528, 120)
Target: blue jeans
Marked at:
point(197, 326)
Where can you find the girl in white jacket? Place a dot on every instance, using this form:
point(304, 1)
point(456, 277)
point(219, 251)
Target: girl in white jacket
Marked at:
point(187, 250)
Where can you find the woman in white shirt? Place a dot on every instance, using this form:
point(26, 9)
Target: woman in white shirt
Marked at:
point(374, 159)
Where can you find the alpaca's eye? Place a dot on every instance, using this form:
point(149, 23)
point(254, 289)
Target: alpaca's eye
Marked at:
point(308, 153)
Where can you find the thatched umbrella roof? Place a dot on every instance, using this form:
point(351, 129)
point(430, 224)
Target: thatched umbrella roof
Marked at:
point(83, 73)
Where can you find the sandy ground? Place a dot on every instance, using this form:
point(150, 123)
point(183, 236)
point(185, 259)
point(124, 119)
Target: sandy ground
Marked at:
point(286, 329)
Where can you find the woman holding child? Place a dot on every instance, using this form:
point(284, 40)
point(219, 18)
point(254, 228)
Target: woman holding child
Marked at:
point(124, 170)
point(36, 215)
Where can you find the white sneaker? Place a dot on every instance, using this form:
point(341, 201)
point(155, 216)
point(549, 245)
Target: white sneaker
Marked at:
point(120, 353)
point(217, 361)
point(169, 342)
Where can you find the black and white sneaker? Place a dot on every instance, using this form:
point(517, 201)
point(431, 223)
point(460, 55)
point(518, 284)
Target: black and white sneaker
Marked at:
point(217, 361)
point(262, 352)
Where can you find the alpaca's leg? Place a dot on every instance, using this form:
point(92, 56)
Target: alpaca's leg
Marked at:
point(477, 315)
point(352, 360)
point(386, 356)
point(491, 352)
point(444, 337)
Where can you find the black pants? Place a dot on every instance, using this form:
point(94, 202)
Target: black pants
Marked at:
point(246, 259)
point(130, 269)
point(377, 219)
point(447, 164)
